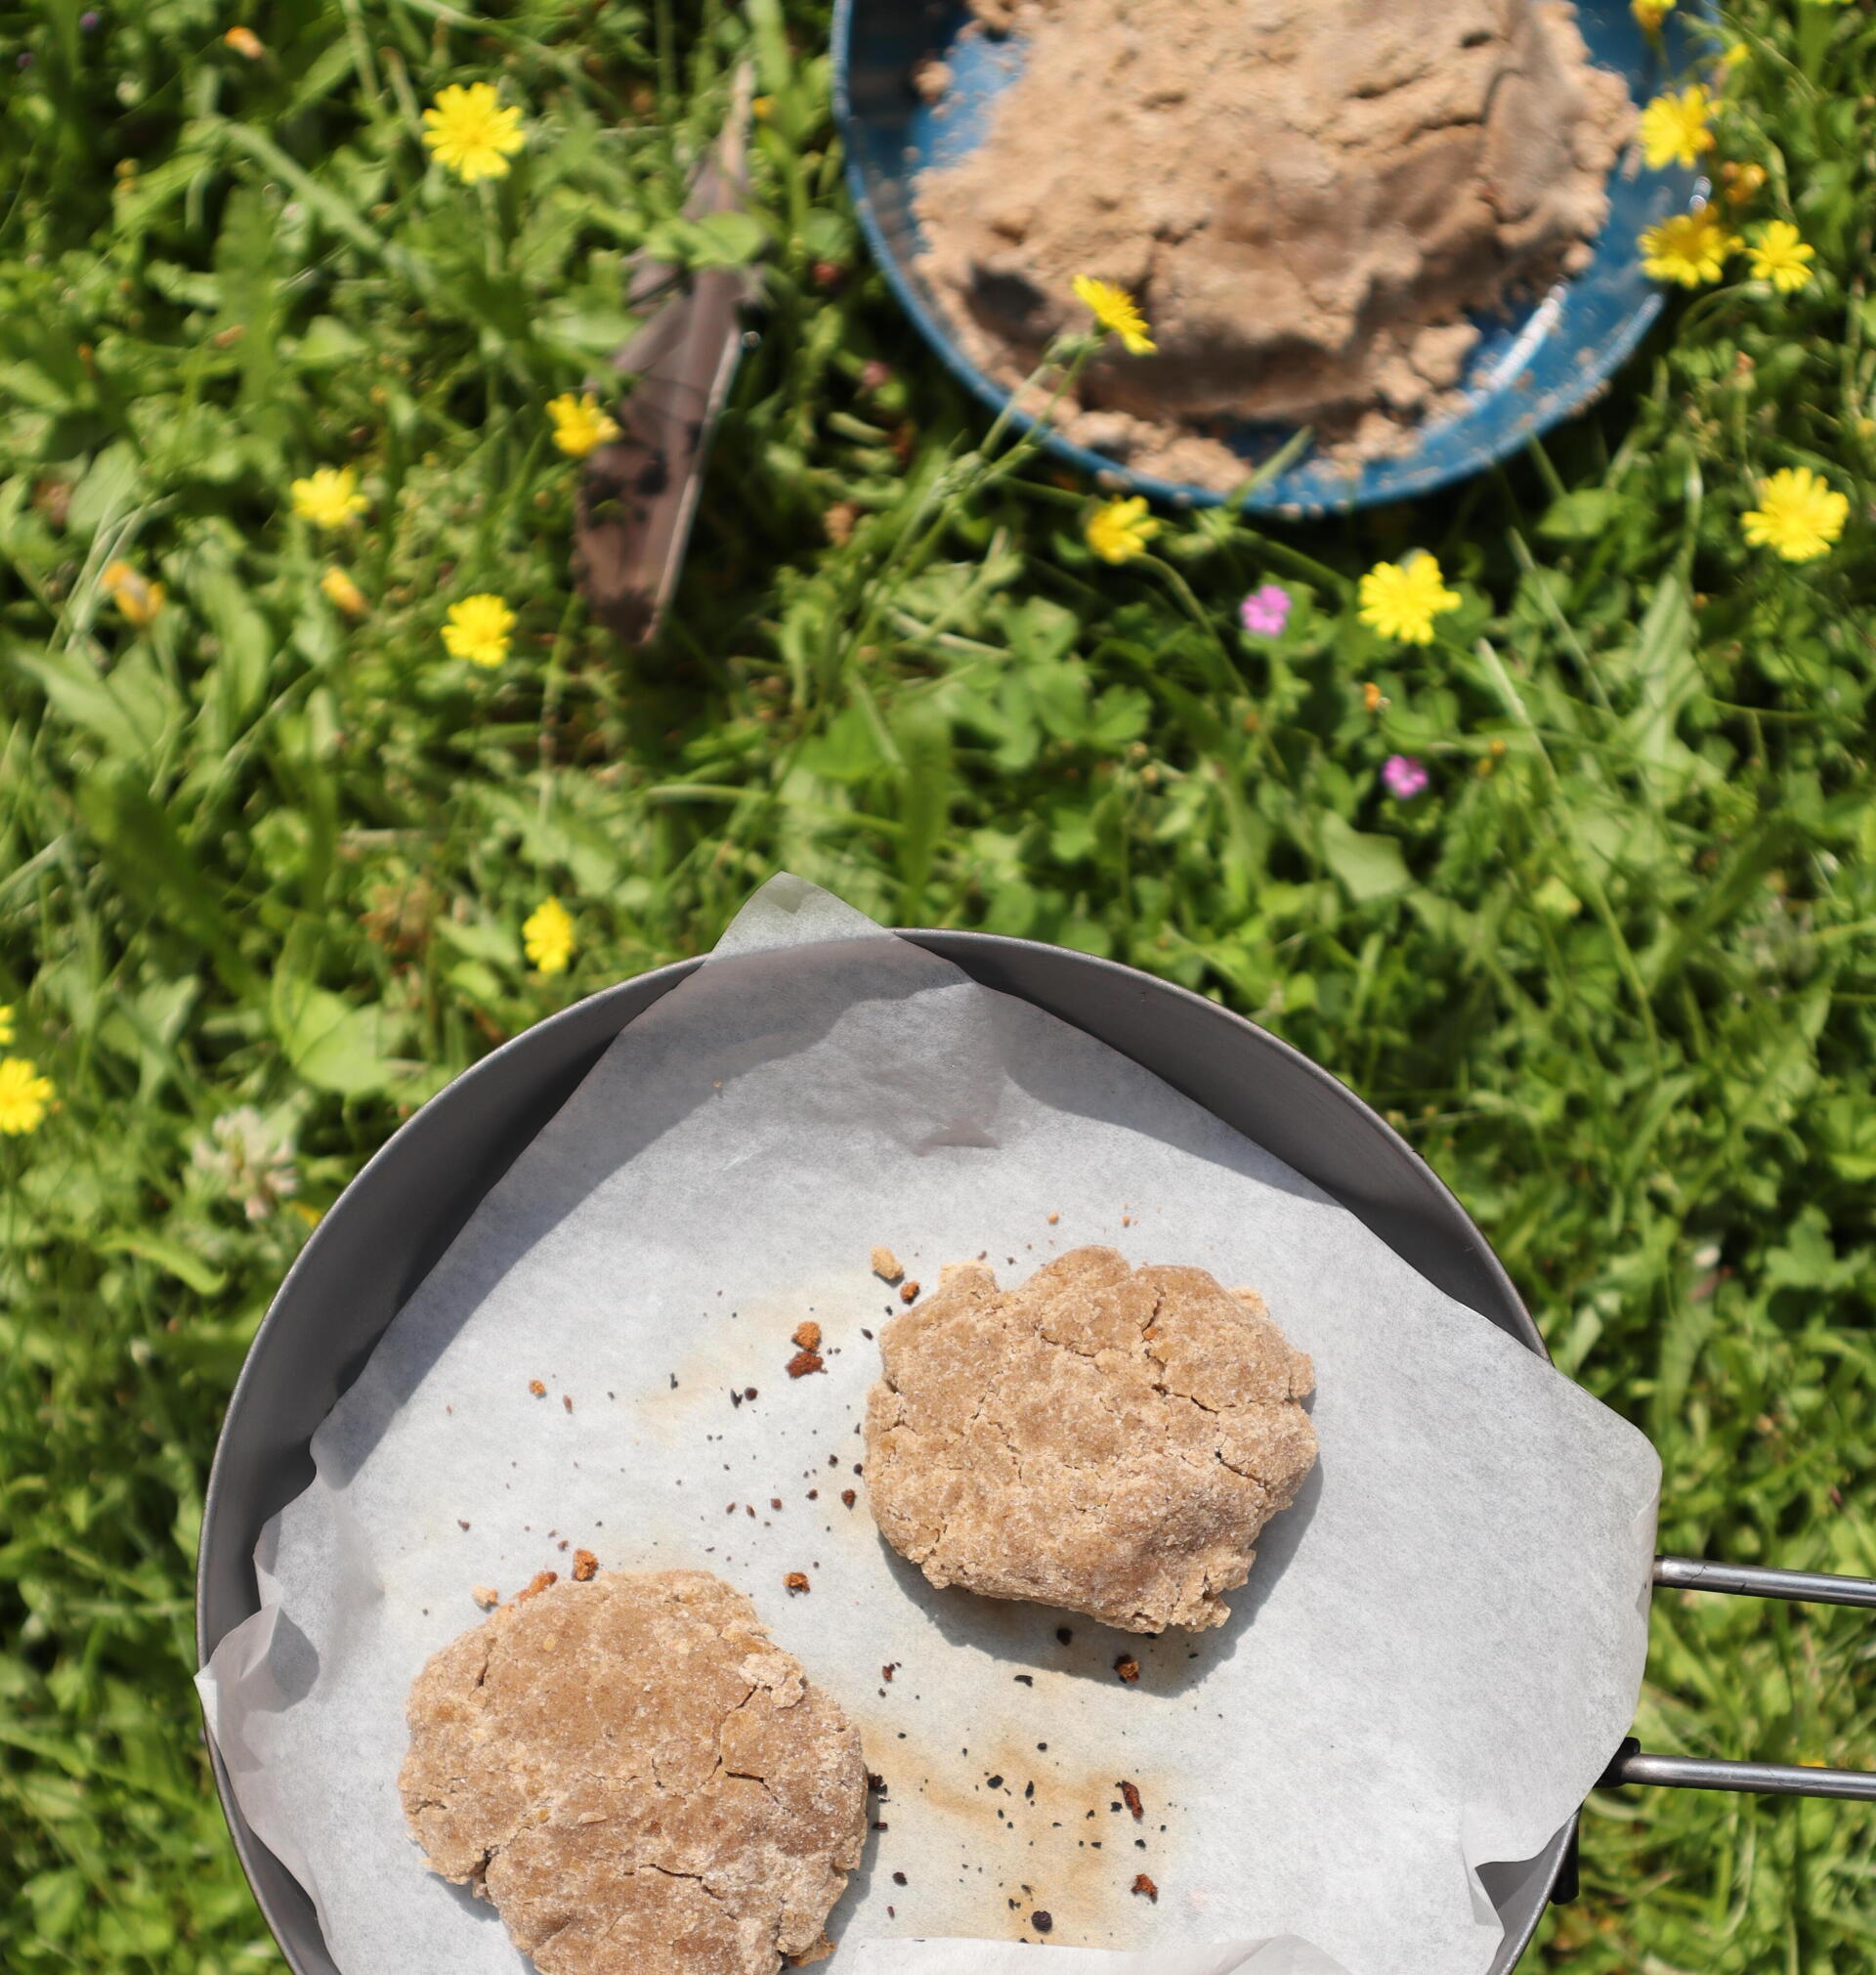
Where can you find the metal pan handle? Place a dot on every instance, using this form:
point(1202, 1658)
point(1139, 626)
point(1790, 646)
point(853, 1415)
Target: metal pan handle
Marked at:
point(1769, 1779)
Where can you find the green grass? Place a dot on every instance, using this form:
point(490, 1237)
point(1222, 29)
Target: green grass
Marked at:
point(1613, 974)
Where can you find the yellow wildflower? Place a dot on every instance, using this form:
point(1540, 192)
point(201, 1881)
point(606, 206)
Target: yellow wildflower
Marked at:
point(1675, 128)
point(1122, 529)
point(1116, 311)
point(1737, 54)
point(547, 936)
point(24, 1096)
point(762, 107)
point(5, 1023)
point(340, 589)
point(136, 596)
point(1800, 514)
point(245, 41)
point(580, 425)
point(328, 497)
point(1401, 599)
point(468, 131)
point(1780, 257)
point(1687, 248)
point(479, 629)
point(1651, 14)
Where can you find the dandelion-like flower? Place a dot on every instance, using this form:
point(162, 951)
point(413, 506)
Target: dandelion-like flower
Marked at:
point(547, 936)
point(1116, 311)
point(247, 1161)
point(1120, 529)
point(328, 497)
point(338, 588)
point(25, 1097)
point(1780, 257)
point(1401, 599)
point(1676, 129)
point(468, 130)
point(479, 630)
point(580, 425)
point(1266, 610)
point(137, 598)
point(1404, 776)
point(1651, 14)
point(1687, 248)
point(1800, 514)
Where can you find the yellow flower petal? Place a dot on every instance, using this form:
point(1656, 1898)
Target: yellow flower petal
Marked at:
point(1122, 529)
point(580, 425)
point(1687, 248)
point(1780, 257)
point(479, 629)
point(1675, 128)
point(6, 1024)
point(467, 130)
point(1800, 514)
point(339, 588)
point(137, 598)
point(328, 497)
point(1116, 311)
point(25, 1097)
point(1401, 599)
point(547, 936)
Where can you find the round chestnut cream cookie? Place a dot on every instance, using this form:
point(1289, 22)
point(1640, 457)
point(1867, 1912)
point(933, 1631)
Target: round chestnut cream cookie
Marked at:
point(1107, 1438)
point(637, 1779)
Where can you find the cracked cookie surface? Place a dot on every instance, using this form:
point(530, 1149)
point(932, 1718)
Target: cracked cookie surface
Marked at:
point(637, 1777)
point(1107, 1438)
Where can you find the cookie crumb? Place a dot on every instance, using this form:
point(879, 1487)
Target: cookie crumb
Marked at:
point(567, 1399)
point(540, 1582)
point(796, 1580)
point(1127, 1667)
point(807, 1335)
point(486, 1595)
point(898, 1878)
point(1130, 1798)
point(1053, 1219)
point(460, 1524)
point(848, 1497)
point(590, 1818)
point(907, 1291)
point(586, 1568)
point(1041, 1921)
point(885, 1264)
point(887, 1671)
point(1143, 1884)
point(539, 1389)
point(805, 1361)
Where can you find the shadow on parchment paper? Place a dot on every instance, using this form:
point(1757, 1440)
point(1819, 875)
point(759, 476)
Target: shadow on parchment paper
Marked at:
point(1027, 1637)
point(744, 1030)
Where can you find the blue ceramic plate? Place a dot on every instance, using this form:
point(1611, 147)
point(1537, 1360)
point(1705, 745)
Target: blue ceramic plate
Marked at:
point(1532, 367)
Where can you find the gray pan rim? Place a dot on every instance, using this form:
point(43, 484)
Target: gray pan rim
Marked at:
point(1460, 1260)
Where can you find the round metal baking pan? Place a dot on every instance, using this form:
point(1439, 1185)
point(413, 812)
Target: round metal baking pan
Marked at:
point(396, 1219)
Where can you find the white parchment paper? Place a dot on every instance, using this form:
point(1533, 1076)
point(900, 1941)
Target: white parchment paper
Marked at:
point(1440, 1647)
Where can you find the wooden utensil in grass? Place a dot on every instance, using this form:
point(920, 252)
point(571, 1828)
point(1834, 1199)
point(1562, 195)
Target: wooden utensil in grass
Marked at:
point(637, 496)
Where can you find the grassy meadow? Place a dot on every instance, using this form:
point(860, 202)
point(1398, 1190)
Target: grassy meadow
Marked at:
point(268, 848)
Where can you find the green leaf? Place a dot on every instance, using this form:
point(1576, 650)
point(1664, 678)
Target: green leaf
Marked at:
point(334, 1046)
point(1370, 867)
point(728, 240)
point(169, 1255)
point(1581, 515)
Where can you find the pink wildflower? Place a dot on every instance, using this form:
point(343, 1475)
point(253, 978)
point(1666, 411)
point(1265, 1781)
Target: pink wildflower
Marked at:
point(1404, 776)
point(1265, 612)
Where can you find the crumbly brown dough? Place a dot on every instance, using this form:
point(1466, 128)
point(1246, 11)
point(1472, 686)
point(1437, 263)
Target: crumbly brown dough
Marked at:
point(1306, 197)
point(637, 1779)
point(1103, 1437)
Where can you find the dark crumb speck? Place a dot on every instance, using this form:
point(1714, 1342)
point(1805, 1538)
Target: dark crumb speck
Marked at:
point(996, 1782)
point(1041, 1921)
point(1064, 1633)
point(1143, 1884)
point(875, 1783)
point(1131, 1797)
point(1127, 1667)
point(567, 1399)
point(460, 1524)
point(1024, 1679)
point(848, 1497)
point(748, 1392)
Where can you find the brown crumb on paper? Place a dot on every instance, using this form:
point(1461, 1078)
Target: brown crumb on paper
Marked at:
point(807, 1335)
point(1127, 1667)
point(1143, 1884)
point(1053, 1219)
point(805, 1361)
point(538, 1583)
point(539, 1389)
point(486, 1595)
point(907, 1291)
point(885, 1264)
point(848, 1497)
point(586, 1568)
point(796, 1581)
point(1130, 1798)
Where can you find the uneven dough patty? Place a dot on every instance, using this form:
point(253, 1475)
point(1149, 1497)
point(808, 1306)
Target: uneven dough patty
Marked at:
point(1107, 1438)
point(637, 1779)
